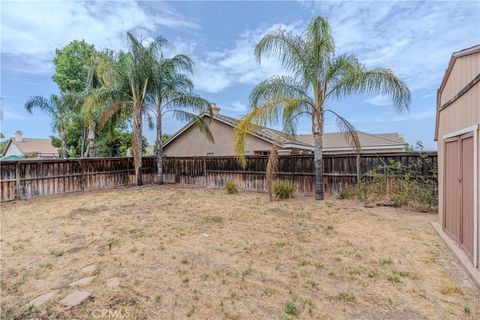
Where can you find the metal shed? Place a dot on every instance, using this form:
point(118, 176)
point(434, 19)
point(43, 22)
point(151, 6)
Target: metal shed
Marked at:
point(457, 136)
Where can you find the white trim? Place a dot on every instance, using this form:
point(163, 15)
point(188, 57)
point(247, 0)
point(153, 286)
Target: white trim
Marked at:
point(475, 196)
point(460, 132)
point(366, 147)
point(474, 130)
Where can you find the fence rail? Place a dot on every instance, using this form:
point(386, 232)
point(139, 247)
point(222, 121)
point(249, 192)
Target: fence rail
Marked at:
point(25, 179)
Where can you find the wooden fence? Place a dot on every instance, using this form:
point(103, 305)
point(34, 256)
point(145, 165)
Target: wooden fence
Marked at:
point(25, 179)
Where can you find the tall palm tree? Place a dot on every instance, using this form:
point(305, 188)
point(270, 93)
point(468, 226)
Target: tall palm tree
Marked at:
point(58, 109)
point(171, 92)
point(318, 77)
point(94, 97)
point(127, 84)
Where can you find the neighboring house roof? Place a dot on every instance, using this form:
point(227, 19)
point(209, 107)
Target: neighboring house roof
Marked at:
point(331, 141)
point(33, 145)
point(462, 53)
point(340, 141)
point(264, 133)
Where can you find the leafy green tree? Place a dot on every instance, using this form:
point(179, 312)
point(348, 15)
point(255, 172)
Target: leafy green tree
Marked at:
point(56, 142)
point(57, 108)
point(318, 77)
point(72, 66)
point(172, 92)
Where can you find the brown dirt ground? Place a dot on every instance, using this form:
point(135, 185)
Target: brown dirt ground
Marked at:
point(203, 254)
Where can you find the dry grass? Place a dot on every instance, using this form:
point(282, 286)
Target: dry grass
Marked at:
point(204, 254)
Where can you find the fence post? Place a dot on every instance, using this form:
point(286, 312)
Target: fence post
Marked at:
point(205, 170)
point(17, 176)
point(359, 173)
point(82, 177)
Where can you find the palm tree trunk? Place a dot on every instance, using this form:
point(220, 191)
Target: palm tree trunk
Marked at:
point(137, 143)
point(159, 146)
point(63, 137)
point(318, 153)
point(90, 152)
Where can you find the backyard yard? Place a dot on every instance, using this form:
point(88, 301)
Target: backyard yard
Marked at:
point(172, 253)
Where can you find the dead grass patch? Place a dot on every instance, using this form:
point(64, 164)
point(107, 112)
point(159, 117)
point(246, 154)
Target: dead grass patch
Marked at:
point(198, 253)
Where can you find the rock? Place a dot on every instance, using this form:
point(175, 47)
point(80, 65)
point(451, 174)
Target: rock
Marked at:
point(82, 282)
point(113, 283)
point(75, 298)
point(41, 300)
point(89, 269)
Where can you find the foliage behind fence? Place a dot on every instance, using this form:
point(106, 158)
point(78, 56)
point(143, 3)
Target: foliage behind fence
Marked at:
point(26, 179)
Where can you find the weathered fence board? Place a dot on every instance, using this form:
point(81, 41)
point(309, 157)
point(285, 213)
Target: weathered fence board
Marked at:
point(24, 179)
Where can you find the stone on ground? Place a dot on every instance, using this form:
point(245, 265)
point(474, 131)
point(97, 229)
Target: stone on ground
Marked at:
point(82, 282)
point(113, 283)
point(42, 299)
point(89, 269)
point(75, 298)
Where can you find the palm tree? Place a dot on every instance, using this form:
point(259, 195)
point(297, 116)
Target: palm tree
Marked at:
point(94, 97)
point(127, 84)
point(171, 92)
point(58, 109)
point(318, 77)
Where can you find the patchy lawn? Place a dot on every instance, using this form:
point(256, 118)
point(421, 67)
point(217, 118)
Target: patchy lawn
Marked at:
point(172, 253)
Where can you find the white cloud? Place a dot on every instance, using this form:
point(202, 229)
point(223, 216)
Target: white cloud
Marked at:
point(223, 68)
point(235, 106)
point(414, 39)
point(379, 100)
point(32, 30)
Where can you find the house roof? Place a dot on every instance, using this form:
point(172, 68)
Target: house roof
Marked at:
point(332, 141)
point(451, 63)
point(33, 145)
point(264, 133)
point(339, 140)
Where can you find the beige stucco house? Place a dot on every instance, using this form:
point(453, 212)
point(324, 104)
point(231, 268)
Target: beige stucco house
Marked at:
point(190, 141)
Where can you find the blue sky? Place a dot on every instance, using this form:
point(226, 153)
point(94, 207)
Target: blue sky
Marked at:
point(415, 39)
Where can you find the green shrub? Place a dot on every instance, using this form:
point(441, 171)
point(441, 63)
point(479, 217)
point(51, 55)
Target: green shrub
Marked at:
point(290, 308)
point(343, 194)
point(284, 189)
point(231, 187)
point(400, 199)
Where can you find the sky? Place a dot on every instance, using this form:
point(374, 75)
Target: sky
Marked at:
point(414, 39)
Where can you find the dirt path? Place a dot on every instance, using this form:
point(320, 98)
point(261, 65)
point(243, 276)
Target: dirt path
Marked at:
point(175, 253)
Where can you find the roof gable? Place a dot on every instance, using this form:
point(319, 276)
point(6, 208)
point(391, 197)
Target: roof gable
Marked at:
point(263, 133)
point(32, 145)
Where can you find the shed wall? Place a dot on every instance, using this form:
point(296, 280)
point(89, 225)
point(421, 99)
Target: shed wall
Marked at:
point(461, 114)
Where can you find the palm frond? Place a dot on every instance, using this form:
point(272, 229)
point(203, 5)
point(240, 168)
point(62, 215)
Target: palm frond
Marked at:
point(186, 116)
point(288, 47)
point(111, 110)
point(346, 127)
point(278, 87)
point(45, 105)
point(272, 168)
point(355, 79)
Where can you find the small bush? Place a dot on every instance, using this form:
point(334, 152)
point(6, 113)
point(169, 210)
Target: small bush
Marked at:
point(400, 200)
point(343, 194)
point(385, 261)
point(284, 190)
point(290, 308)
point(346, 296)
point(231, 187)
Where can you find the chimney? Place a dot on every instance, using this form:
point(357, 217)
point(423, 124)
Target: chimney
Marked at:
point(215, 109)
point(18, 136)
